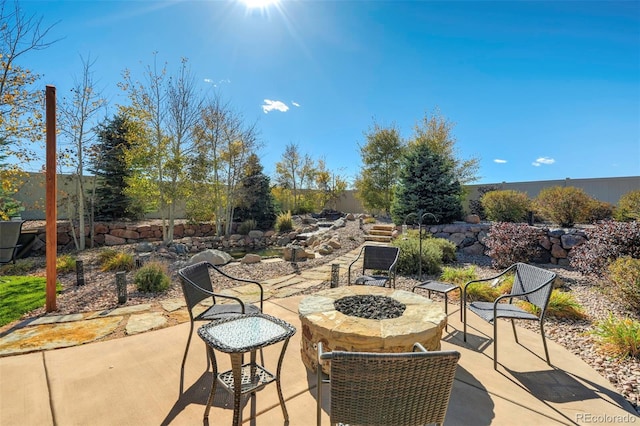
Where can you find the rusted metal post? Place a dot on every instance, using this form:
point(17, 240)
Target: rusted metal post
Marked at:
point(51, 202)
point(335, 274)
point(79, 272)
point(121, 287)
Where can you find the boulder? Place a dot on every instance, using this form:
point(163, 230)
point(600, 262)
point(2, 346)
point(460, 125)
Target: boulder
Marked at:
point(144, 247)
point(216, 257)
point(325, 249)
point(250, 258)
point(256, 234)
point(472, 218)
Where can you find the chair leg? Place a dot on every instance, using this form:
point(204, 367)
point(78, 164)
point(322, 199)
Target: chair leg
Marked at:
point(463, 317)
point(184, 358)
point(513, 325)
point(544, 343)
point(495, 343)
point(319, 394)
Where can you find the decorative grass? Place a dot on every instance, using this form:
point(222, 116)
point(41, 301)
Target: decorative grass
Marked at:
point(65, 263)
point(21, 294)
point(117, 261)
point(562, 304)
point(619, 337)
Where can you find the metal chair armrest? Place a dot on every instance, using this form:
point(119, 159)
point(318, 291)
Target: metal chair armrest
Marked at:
point(211, 293)
point(244, 280)
point(418, 347)
point(351, 264)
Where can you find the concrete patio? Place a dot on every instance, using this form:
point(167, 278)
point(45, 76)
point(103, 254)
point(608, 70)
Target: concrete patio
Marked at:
point(135, 381)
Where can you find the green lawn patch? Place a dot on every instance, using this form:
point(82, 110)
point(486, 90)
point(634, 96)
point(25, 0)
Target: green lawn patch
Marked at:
point(21, 294)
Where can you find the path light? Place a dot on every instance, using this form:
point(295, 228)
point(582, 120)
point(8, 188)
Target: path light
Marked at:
point(79, 272)
point(121, 287)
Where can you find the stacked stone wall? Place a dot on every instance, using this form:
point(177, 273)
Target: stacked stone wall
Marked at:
point(469, 238)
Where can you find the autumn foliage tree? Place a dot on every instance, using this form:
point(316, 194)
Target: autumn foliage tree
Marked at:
point(381, 156)
point(21, 122)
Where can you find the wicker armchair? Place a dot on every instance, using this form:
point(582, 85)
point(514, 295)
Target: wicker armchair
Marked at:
point(531, 284)
point(9, 235)
point(381, 260)
point(197, 286)
point(395, 389)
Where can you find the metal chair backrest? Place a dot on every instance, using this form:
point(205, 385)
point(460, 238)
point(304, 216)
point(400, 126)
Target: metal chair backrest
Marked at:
point(9, 235)
point(528, 278)
point(379, 257)
point(191, 277)
point(391, 388)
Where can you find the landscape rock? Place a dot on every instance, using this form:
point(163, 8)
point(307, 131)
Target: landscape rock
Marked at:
point(250, 258)
point(216, 257)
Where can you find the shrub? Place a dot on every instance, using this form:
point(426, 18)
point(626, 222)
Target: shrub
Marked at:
point(105, 254)
point(599, 210)
point(482, 292)
point(508, 243)
point(152, 277)
point(434, 253)
point(117, 261)
point(458, 276)
point(629, 206)
point(65, 263)
point(369, 219)
point(247, 226)
point(475, 206)
point(565, 206)
point(562, 304)
point(21, 267)
point(506, 205)
point(624, 278)
point(284, 222)
point(619, 337)
point(606, 242)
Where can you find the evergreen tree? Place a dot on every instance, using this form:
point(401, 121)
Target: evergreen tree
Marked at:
point(427, 182)
point(109, 165)
point(256, 201)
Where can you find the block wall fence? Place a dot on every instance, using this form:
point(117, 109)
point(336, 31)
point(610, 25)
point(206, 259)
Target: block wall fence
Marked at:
point(604, 189)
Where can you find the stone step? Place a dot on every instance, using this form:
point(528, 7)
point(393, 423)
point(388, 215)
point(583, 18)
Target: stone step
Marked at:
point(380, 232)
point(378, 238)
point(384, 227)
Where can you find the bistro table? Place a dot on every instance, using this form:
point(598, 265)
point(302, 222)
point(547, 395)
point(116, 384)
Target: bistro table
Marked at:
point(238, 335)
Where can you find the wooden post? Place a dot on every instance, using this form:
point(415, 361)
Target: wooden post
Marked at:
point(51, 202)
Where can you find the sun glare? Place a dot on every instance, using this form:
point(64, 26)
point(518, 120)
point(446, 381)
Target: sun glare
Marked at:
point(258, 4)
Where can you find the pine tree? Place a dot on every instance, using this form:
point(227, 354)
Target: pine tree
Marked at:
point(256, 201)
point(427, 183)
point(109, 165)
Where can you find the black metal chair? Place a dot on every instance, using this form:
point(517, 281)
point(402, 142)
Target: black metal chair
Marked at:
point(382, 261)
point(531, 284)
point(9, 235)
point(197, 286)
point(411, 388)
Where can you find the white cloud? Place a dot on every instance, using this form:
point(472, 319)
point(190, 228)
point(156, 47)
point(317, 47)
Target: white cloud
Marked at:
point(543, 160)
point(210, 81)
point(270, 105)
point(499, 161)
point(295, 104)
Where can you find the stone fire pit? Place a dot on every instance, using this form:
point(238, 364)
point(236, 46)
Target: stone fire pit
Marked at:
point(421, 321)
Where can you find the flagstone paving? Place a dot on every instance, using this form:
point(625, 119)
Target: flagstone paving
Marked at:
point(60, 331)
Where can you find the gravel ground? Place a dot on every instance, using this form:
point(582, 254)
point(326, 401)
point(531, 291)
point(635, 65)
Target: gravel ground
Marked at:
point(624, 374)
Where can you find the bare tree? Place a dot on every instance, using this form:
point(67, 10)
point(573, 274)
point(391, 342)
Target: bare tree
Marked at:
point(224, 143)
point(164, 111)
point(77, 113)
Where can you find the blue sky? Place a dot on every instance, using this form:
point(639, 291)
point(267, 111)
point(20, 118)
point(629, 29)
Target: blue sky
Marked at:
point(537, 90)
